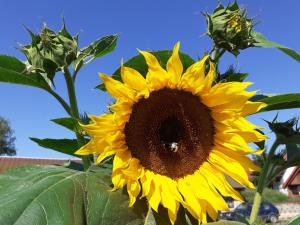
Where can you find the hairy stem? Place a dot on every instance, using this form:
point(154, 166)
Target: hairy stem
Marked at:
point(262, 183)
point(75, 113)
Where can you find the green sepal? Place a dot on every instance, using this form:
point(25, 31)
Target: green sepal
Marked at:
point(231, 75)
point(50, 51)
point(293, 154)
point(260, 144)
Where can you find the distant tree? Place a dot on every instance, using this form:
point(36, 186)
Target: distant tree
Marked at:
point(7, 139)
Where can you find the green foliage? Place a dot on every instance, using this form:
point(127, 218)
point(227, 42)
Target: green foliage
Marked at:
point(232, 75)
point(96, 49)
point(261, 41)
point(57, 195)
point(49, 51)
point(293, 155)
point(60, 195)
point(294, 221)
point(67, 146)
point(7, 138)
point(230, 28)
point(287, 131)
point(69, 123)
point(278, 102)
point(14, 71)
point(269, 195)
point(138, 63)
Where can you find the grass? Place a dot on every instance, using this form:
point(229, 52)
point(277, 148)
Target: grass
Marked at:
point(269, 195)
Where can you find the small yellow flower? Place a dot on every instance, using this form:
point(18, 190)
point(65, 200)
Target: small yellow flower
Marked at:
point(235, 22)
point(174, 136)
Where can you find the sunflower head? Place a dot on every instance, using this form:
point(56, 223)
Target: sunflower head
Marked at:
point(175, 135)
point(230, 28)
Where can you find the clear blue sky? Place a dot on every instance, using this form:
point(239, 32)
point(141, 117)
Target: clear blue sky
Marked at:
point(147, 25)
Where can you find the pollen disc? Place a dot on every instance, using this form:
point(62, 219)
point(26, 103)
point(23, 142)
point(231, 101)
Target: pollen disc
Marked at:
point(171, 132)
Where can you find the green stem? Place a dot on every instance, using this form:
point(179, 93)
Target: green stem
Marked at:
point(216, 54)
point(262, 183)
point(75, 113)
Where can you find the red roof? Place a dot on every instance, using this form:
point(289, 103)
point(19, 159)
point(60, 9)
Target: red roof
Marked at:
point(7, 163)
point(294, 178)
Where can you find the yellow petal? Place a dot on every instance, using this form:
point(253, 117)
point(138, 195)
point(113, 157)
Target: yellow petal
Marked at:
point(133, 78)
point(173, 213)
point(217, 179)
point(134, 169)
point(102, 119)
point(106, 153)
point(232, 141)
point(121, 106)
point(223, 93)
point(146, 180)
point(94, 146)
point(174, 67)
point(252, 107)
point(154, 196)
point(118, 180)
point(204, 190)
point(194, 76)
point(190, 199)
point(117, 89)
point(157, 77)
point(259, 152)
point(210, 77)
point(169, 196)
point(231, 168)
point(121, 160)
point(133, 189)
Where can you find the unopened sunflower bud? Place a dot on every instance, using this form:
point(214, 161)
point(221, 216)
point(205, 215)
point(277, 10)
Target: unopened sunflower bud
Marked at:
point(286, 132)
point(230, 28)
point(49, 51)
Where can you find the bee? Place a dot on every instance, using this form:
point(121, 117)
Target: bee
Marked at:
point(173, 146)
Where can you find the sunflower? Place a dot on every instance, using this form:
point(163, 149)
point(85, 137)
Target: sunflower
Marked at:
point(176, 135)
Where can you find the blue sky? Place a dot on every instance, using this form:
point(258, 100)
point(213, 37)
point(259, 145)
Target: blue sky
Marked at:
point(147, 25)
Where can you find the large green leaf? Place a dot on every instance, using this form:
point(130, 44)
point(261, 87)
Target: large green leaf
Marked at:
point(261, 41)
point(12, 63)
point(277, 102)
point(294, 221)
point(42, 195)
point(138, 63)
point(67, 146)
point(57, 195)
point(12, 71)
point(68, 122)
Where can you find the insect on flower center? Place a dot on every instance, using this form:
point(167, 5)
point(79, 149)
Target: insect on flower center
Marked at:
point(171, 133)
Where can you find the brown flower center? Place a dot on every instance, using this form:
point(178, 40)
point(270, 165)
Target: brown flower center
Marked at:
point(171, 132)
